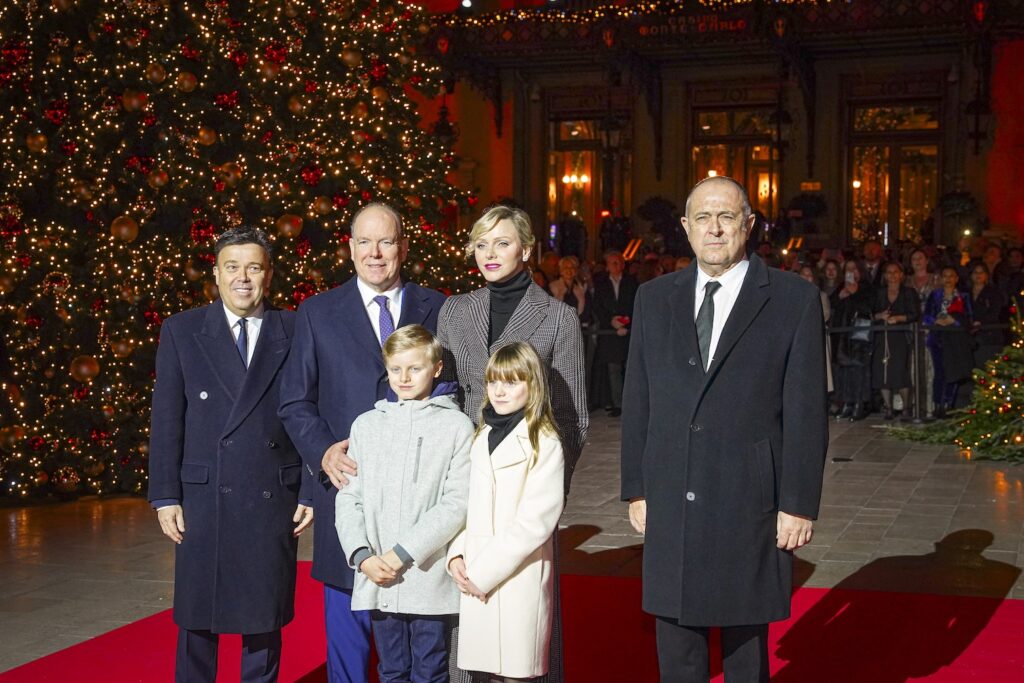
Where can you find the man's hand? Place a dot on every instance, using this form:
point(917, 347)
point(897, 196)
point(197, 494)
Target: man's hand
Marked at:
point(378, 571)
point(793, 531)
point(172, 522)
point(392, 560)
point(336, 464)
point(303, 517)
point(638, 514)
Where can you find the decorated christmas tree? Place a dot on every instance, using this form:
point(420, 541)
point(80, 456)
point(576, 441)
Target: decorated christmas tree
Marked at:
point(137, 130)
point(992, 426)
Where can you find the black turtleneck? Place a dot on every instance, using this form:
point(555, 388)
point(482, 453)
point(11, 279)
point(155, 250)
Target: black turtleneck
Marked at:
point(505, 296)
point(501, 425)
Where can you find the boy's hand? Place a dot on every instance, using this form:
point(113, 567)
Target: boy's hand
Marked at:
point(377, 570)
point(392, 560)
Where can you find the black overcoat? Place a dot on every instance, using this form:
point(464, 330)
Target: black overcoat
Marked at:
point(217, 445)
point(612, 348)
point(717, 455)
point(335, 374)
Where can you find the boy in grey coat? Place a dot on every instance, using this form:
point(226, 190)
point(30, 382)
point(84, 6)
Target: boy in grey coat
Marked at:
point(397, 517)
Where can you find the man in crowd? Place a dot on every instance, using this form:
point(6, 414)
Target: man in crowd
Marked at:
point(724, 436)
point(335, 373)
point(613, 309)
point(223, 475)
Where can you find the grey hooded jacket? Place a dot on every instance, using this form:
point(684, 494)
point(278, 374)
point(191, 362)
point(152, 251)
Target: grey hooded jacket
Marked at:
point(411, 492)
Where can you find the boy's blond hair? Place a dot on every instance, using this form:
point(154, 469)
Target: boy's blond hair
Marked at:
point(413, 337)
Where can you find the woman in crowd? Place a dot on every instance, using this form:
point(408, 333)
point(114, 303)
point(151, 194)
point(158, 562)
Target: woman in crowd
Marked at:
point(512, 308)
point(949, 311)
point(987, 305)
point(895, 304)
point(570, 289)
point(830, 277)
point(807, 273)
point(851, 307)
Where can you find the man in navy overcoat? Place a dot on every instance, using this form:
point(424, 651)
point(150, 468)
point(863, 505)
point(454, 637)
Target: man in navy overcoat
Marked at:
point(335, 372)
point(223, 474)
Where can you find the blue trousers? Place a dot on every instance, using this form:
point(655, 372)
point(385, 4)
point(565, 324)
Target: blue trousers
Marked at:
point(348, 637)
point(411, 647)
point(196, 660)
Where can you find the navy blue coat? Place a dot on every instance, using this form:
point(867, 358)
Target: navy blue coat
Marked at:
point(217, 445)
point(334, 374)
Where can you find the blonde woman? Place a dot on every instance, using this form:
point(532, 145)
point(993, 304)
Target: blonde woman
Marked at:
point(504, 560)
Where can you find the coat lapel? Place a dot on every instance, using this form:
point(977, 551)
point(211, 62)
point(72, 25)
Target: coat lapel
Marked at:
point(218, 346)
point(527, 317)
point(270, 352)
point(752, 298)
point(415, 309)
point(357, 322)
point(479, 304)
point(683, 326)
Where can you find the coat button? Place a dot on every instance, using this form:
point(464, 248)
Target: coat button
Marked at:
point(266, 494)
point(203, 395)
point(692, 361)
point(271, 444)
point(225, 489)
point(384, 604)
point(695, 428)
point(690, 496)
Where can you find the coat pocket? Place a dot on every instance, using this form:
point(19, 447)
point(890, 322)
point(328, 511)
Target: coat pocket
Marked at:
point(290, 476)
point(766, 474)
point(194, 473)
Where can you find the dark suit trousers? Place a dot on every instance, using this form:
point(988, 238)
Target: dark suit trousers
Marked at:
point(683, 653)
point(197, 657)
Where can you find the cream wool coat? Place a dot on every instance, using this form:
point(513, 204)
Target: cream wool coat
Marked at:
point(514, 507)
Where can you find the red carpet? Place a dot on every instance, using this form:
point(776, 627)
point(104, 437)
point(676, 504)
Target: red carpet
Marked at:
point(834, 636)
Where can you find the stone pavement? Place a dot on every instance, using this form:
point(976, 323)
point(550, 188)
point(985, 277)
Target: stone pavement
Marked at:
point(71, 571)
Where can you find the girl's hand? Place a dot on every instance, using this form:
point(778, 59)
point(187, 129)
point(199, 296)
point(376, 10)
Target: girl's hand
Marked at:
point(472, 590)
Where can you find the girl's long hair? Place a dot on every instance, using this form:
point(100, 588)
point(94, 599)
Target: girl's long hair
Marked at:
point(519, 362)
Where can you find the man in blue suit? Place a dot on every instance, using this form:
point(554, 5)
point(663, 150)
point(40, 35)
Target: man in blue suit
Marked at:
point(334, 374)
point(223, 475)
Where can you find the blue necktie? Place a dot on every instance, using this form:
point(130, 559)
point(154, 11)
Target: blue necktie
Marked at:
point(387, 323)
point(242, 343)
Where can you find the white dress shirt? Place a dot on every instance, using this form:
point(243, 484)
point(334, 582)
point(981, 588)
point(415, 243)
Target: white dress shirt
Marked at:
point(616, 281)
point(394, 296)
point(725, 298)
point(252, 328)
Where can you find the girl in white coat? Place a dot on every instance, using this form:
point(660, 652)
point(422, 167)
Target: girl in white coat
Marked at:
point(502, 561)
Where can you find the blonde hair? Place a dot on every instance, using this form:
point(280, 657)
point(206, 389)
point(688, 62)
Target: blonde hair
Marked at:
point(412, 337)
point(519, 362)
point(493, 216)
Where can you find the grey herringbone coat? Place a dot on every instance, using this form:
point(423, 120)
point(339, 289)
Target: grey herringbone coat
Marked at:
point(553, 329)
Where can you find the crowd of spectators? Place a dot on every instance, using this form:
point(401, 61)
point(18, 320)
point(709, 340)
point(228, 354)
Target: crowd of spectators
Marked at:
point(959, 299)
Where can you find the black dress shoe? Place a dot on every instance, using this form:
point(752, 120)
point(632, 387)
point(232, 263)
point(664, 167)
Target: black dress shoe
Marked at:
point(615, 412)
point(858, 413)
point(847, 411)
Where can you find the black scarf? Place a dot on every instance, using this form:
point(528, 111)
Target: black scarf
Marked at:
point(501, 425)
point(505, 297)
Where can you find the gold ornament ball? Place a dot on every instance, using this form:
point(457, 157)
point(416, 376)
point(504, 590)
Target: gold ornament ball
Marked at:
point(186, 81)
point(157, 178)
point(124, 228)
point(356, 159)
point(10, 436)
point(424, 29)
point(36, 142)
point(84, 368)
point(413, 201)
point(55, 58)
point(404, 59)
point(6, 284)
point(108, 412)
point(360, 111)
point(66, 479)
point(134, 100)
point(289, 225)
point(269, 70)
point(343, 252)
point(83, 191)
point(322, 205)
point(352, 58)
point(380, 94)
point(296, 105)
point(385, 184)
point(192, 273)
point(207, 136)
point(156, 73)
point(230, 173)
point(94, 469)
point(210, 291)
point(122, 348)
